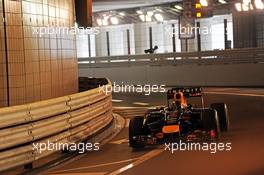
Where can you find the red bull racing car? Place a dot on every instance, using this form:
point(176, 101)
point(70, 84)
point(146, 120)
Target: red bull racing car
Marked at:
point(179, 120)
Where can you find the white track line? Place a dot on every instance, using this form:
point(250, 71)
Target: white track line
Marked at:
point(117, 101)
point(236, 94)
point(89, 173)
point(140, 160)
point(94, 166)
point(141, 104)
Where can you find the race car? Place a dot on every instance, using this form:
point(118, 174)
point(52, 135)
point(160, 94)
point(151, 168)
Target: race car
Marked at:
point(179, 120)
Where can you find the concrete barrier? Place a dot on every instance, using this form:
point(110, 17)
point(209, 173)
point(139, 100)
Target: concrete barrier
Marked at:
point(238, 67)
point(248, 75)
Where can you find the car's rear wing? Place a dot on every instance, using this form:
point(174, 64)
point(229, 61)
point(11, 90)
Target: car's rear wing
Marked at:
point(187, 92)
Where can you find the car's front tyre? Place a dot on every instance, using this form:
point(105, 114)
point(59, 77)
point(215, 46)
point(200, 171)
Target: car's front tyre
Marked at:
point(210, 123)
point(135, 130)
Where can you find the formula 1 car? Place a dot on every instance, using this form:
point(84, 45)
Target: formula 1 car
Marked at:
point(179, 120)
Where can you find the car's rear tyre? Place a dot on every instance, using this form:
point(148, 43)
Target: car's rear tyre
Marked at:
point(136, 129)
point(210, 122)
point(223, 116)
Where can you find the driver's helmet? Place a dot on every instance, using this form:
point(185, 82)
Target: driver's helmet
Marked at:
point(180, 100)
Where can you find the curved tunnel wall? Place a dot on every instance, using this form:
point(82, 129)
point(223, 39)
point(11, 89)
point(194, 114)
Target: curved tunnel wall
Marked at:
point(37, 64)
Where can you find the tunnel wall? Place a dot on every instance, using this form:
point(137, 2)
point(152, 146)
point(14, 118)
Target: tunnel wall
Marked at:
point(249, 75)
point(3, 87)
point(244, 30)
point(248, 29)
point(38, 64)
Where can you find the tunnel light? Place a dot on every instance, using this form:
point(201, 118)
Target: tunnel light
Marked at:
point(204, 3)
point(114, 20)
point(122, 14)
point(139, 12)
point(251, 7)
point(76, 25)
point(259, 4)
point(142, 18)
point(105, 22)
point(99, 22)
point(245, 7)
point(148, 18)
point(178, 7)
point(159, 17)
point(246, 2)
point(222, 1)
point(238, 7)
point(150, 13)
point(105, 17)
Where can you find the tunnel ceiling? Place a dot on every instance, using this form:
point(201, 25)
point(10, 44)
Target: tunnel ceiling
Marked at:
point(104, 5)
point(131, 11)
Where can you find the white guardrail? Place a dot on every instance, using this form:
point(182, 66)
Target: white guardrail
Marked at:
point(235, 56)
point(129, 112)
point(69, 119)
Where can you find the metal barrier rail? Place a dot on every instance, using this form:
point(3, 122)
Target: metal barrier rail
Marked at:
point(130, 112)
point(248, 55)
point(69, 119)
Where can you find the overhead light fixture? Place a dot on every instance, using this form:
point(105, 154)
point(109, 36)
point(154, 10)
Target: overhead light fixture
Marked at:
point(139, 12)
point(114, 20)
point(178, 7)
point(222, 1)
point(150, 13)
point(99, 22)
point(122, 14)
point(259, 4)
point(148, 18)
point(204, 3)
point(238, 7)
point(159, 17)
point(142, 18)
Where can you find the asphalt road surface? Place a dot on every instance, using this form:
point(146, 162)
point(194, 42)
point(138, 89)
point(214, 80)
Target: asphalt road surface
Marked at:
point(246, 107)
